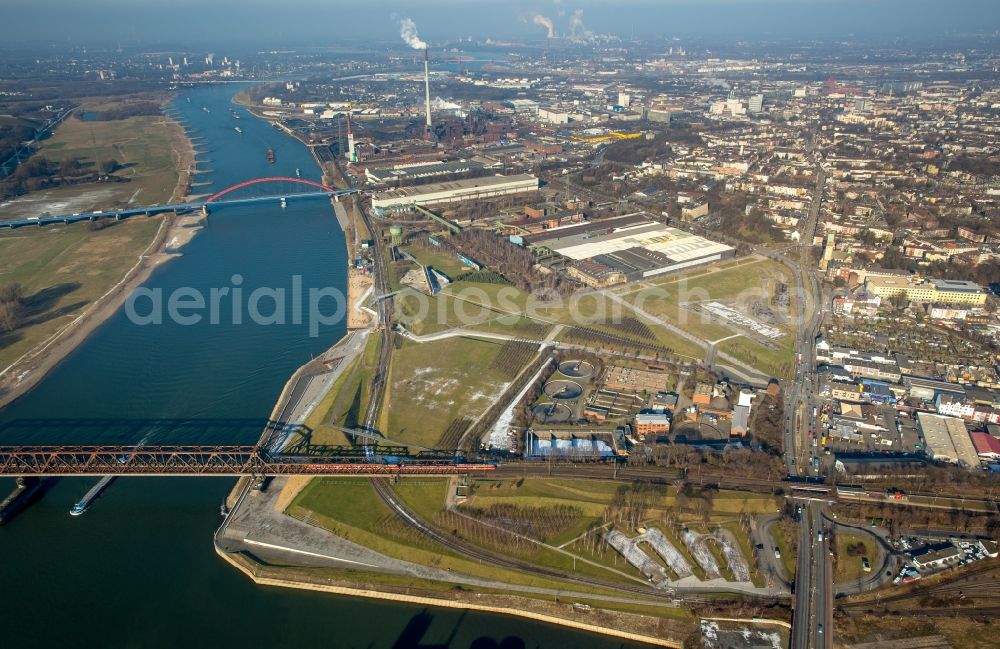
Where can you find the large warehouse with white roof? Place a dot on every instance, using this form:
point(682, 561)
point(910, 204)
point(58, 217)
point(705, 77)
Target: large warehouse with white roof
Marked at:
point(948, 440)
point(634, 245)
point(454, 191)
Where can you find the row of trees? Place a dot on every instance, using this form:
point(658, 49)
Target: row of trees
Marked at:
point(513, 262)
point(12, 135)
point(12, 306)
point(540, 523)
point(40, 172)
point(631, 503)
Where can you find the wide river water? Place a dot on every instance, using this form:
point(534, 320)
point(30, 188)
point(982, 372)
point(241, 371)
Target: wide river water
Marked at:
point(138, 568)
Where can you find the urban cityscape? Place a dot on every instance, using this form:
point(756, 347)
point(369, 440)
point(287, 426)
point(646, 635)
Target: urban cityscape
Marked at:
point(466, 326)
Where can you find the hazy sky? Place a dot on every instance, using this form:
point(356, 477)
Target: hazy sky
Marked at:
point(272, 22)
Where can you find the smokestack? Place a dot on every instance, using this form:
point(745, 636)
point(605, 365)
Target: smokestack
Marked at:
point(427, 89)
point(350, 140)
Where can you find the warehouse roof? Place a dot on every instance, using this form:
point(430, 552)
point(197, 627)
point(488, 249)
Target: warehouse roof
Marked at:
point(454, 185)
point(947, 439)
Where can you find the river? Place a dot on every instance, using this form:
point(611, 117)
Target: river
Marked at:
point(138, 569)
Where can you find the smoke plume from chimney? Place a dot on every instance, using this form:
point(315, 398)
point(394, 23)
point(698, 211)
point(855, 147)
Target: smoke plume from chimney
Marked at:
point(408, 32)
point(544, 21)
point(577, 30)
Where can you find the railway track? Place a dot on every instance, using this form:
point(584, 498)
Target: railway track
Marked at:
point(660, 475)
point(954, 585)
point(989, 611)
point(654, 475)
point(380, 275)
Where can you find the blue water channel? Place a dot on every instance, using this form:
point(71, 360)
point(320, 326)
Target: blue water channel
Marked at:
point(138, 569)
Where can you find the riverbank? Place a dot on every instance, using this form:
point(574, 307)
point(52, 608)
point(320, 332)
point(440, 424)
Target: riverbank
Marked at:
point(600, 621)
point(25, 373)
point(173, 233)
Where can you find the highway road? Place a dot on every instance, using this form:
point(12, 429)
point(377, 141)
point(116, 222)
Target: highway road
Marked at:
point(822, 583)
point(812, 619)
point(800, 404)
point(803, 588)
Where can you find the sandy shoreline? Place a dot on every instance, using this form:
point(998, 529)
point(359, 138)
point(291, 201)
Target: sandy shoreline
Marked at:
point(173, 233)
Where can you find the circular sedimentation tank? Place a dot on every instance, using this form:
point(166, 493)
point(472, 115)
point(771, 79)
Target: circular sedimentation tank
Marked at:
point(576, 369)
point(551, 413)
point(563, 390)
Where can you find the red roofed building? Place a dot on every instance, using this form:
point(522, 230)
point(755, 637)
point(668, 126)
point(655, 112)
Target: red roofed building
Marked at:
point(987, 446)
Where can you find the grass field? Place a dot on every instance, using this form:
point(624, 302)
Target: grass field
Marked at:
point(424, 314)
point(141, 144)
point(506, 309)
point(752, 280)
point(515, 325)
point(63, 269)
point(593, 496)
point(441, 261)
point(849, 568)
point(776, 362)
point(426, 497)
point(743, 281)
point(432, 384)
point(785, 538)
point(594, 501)
point(350, 508)
point(144, 147)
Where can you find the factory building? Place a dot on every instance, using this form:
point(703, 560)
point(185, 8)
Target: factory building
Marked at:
point(633, 245)
point(595, 274)
point(455, 191)
point(948, 440)
point(418, 170)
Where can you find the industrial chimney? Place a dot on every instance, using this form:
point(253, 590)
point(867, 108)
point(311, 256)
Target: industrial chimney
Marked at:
point(427, 90)
point(350, 140)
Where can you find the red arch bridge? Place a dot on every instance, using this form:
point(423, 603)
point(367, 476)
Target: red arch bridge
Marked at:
point(283, 188)
point(42, 461)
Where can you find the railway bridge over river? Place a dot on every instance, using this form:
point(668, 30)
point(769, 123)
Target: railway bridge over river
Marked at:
point(223, 460)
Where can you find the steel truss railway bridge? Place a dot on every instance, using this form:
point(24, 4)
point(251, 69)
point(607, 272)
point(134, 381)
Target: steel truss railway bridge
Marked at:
point(49, 461)
point(302, 189)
